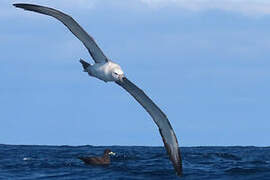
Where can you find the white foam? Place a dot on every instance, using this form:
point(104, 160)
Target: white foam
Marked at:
point(26, 159)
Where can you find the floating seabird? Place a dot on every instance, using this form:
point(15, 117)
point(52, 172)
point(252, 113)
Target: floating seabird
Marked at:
point(104, 160)
point(107, 70)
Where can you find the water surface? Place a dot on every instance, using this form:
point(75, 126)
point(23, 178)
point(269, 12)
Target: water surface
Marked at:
point(133, 162)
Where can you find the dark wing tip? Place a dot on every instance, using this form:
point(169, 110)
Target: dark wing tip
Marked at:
point(32, 7)
point(24, 5)
point(29, 7)
point(17, 4)
point(178, 167)
point(175, 158)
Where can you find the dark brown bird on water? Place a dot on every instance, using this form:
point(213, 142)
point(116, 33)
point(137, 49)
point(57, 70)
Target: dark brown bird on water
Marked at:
point(104, 160)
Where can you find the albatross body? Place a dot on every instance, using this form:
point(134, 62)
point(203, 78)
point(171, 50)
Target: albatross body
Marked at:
point(106, 70)
point(104, 160)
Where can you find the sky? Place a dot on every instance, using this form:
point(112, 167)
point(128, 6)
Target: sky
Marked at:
point(205, 63)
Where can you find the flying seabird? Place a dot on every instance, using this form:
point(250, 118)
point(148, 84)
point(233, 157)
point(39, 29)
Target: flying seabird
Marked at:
point(107, 70)
point(104, 160)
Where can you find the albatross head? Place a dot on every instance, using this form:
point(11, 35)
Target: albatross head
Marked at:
point(108, 152)
point(117, 74)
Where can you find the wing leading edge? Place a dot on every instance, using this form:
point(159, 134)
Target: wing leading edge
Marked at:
point(73, 26)
point(165, 128)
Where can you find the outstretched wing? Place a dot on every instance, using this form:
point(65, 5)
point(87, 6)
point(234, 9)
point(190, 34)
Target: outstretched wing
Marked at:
point(165, 128)
point(73, 26)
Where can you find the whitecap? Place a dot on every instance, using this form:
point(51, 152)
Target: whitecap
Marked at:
point(26, 158)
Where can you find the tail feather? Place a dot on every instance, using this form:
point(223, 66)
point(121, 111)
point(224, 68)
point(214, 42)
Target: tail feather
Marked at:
point(84, 64)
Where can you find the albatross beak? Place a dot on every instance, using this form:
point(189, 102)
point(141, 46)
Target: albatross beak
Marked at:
point(121, 77)
point(112, 153)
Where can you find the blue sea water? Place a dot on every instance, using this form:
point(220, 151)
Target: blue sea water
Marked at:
point(132, 162)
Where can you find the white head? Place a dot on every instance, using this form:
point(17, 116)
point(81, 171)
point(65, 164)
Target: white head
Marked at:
point(117, 74)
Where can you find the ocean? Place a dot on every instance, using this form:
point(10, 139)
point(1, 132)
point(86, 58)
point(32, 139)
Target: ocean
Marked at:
point(27, 162)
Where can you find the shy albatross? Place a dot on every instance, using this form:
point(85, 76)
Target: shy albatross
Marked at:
point(107, 70)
